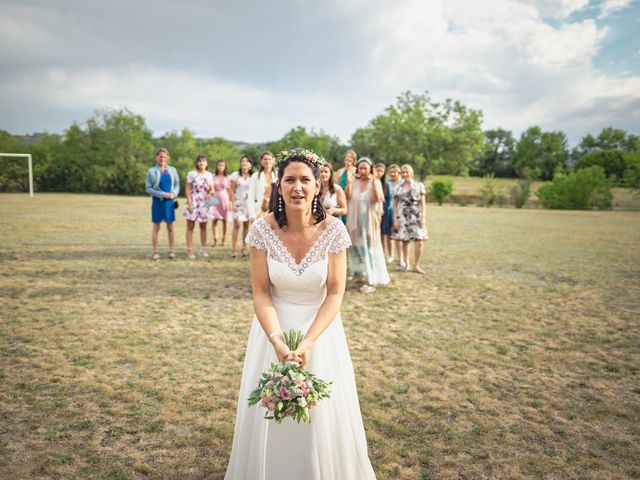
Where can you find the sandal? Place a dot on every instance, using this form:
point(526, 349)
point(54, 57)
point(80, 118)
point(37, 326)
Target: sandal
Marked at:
point(190, 254)
point(234, 254)
point(244, 253)
point(203, 252)
point(172, 256)
point(213, 245)
point(155, 256)
point(419, 270)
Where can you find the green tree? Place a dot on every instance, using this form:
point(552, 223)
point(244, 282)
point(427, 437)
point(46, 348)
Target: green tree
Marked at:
point(436, 137)
point(497, 155)
point(220, 149)
point(611, 161)
point(608, 139)
point(14, 172)
point(320, 142)
point(110, 155)
point(541, 154)
point(183, 148)
point(632, 171)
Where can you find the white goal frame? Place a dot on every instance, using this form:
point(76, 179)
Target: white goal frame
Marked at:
point(28, 156)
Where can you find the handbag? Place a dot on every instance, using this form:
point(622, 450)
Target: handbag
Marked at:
point(175, 205)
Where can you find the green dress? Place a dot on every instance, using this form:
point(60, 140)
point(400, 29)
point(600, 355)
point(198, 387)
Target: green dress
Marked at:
point(342, 181)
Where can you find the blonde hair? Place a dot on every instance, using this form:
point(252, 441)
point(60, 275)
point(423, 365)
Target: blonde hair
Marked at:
point(393, 166)
point(352, 154)
point(408, 167)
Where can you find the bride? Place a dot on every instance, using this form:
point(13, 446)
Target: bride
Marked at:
point(298, 272)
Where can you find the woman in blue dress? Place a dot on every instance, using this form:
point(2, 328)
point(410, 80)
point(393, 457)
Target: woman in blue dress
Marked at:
point(163, 184)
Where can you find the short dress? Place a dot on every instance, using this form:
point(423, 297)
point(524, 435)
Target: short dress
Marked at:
point(241, 196)
point(162, 209)
point(408, 214)
point(222, 210)
point(200, 187)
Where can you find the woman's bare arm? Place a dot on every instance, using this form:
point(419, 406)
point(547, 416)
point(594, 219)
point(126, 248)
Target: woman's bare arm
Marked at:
point(336, 280)
point(341, 198)
point(263, 304)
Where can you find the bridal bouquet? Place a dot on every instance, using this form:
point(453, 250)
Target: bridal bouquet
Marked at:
point(287, 390)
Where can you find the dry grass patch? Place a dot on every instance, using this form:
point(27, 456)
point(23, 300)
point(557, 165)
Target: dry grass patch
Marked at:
point(517, 356)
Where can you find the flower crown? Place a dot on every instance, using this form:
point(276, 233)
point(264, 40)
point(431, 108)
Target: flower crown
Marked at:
point(308, 155)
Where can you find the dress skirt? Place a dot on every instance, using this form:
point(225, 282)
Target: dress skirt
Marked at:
point(333, 446)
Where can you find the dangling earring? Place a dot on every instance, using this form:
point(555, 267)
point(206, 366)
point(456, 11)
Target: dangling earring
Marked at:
point(280, 203)
point(314, 208)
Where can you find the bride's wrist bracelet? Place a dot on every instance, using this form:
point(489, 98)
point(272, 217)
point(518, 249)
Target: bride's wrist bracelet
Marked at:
point(275, 333)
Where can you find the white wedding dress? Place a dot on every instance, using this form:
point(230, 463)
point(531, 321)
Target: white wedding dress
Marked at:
point(333, 446)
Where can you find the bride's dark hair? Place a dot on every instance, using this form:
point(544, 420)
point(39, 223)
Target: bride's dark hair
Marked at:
point(279, 214)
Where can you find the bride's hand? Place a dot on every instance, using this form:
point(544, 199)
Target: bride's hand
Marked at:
point(303, 352)
point(282, 350)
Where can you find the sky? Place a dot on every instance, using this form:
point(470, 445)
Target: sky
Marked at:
point(251, 70)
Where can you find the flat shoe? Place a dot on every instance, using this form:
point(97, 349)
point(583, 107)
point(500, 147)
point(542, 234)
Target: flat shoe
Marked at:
point(155, 256)
point(172, 255)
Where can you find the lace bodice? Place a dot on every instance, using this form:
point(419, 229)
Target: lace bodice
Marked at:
point(333, 239)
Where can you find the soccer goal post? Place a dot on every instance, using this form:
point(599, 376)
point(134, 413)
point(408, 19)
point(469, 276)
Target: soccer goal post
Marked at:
point(28, 157)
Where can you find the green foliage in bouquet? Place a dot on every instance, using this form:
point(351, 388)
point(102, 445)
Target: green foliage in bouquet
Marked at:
point(287, 390)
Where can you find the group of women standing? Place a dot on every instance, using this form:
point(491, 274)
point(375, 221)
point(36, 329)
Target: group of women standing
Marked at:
point(239, 197)
point(381, 214)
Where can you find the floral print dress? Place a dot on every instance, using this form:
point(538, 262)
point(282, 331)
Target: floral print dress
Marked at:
point(200, 186)
point(408, 214)
point(241, 196)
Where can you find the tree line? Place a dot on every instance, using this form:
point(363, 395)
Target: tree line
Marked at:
point(112, 150)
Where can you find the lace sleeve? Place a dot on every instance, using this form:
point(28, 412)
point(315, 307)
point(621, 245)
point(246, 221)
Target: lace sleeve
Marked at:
point(340, 240)
point(255, 236)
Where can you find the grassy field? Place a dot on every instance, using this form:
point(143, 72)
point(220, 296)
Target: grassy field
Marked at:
point(516, 357)
point(468, 190)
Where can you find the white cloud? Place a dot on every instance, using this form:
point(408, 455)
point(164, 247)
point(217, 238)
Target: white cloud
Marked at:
point(170, 99)
point(557, 8)
point(505, 59)
point(252, 83)
point(607, 7)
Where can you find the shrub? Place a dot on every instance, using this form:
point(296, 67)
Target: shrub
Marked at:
point(489, 190)
point(584, 189)
point(521, 191)
point(632, 171)
point(440, 190)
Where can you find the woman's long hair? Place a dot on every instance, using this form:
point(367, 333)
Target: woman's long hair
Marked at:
point(224, 172)
point(250, 168)
point(281, 216)
point(266, 152)
point(383, 180)
point(332, 188)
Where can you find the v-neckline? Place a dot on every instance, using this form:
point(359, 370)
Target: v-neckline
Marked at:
point(309, 250)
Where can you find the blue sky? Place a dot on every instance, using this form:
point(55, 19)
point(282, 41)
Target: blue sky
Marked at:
point(250, 70)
